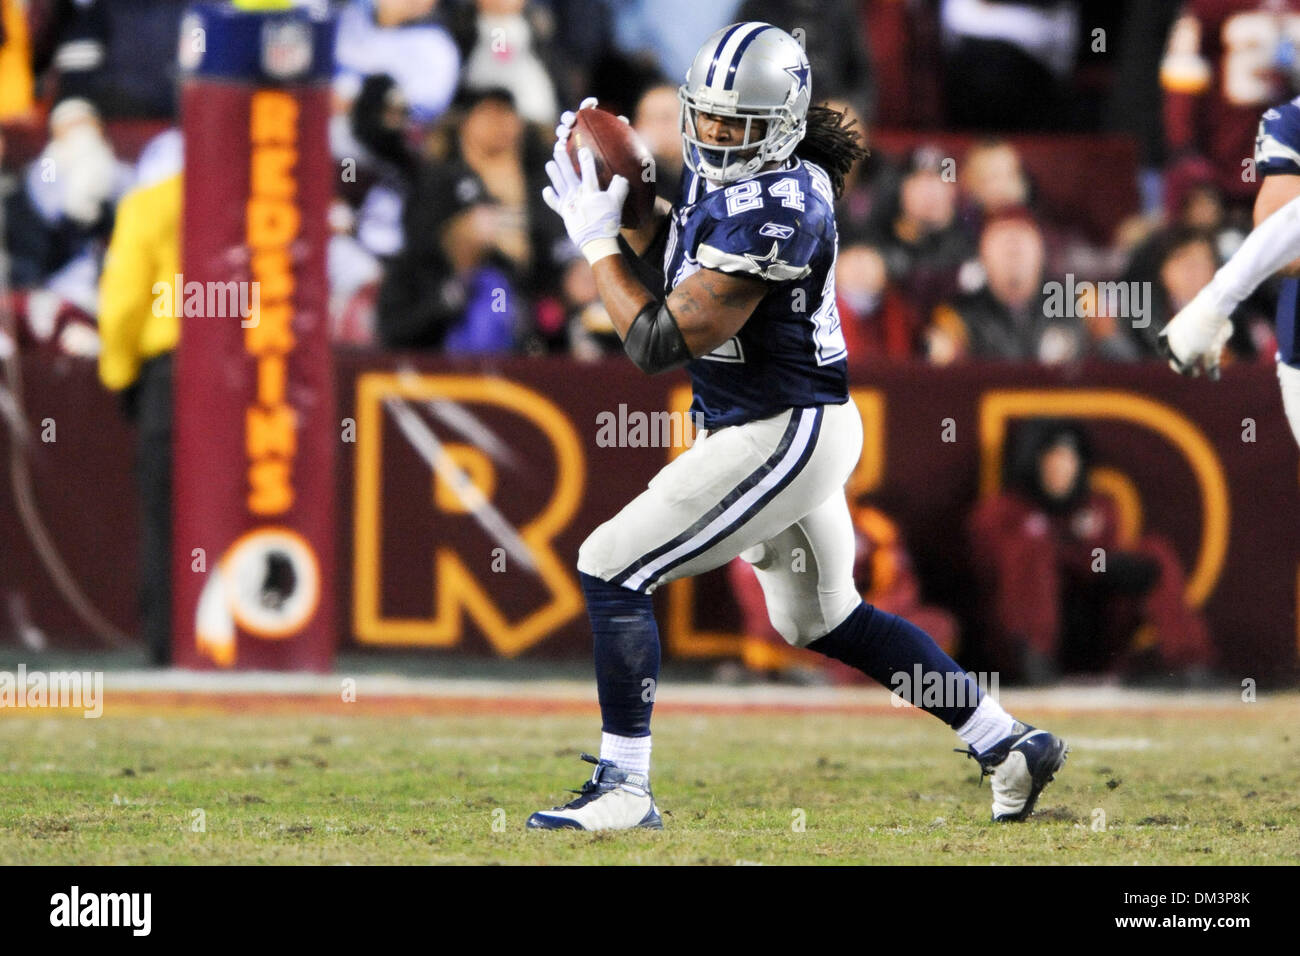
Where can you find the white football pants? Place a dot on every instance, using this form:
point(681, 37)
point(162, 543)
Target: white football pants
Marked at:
point(770, 491)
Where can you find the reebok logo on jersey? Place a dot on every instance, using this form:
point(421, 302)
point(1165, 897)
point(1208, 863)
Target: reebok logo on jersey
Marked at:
point(776, 231)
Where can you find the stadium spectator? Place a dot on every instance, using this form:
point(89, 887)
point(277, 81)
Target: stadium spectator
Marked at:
point(1004, 317)
point(657, 120)
point(15, 63)
point(490, 141)
point(834, 36)
point(1061, 587)
point(1193, 201)
point(1217, 81)
point(45, 323)
point(883, 574)
point(380, 118)
point(398, 37)
point(446, 288)
point(923, 243)
point(1187, 265)
point(1006, 63)
point(107, 52)
point(139, 332)
point(992, 181)
point(876, 319)
point(1185, 259)
point(383, 164)
point(57, 224)
point(1012, 313)
point(489, 137)
point(506, 44)
point(870, 187)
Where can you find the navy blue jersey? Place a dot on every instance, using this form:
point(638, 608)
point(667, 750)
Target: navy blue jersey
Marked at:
point(1277, 152)
point(778, 226)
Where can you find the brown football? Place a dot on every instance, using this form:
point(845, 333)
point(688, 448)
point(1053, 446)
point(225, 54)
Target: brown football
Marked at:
point(618, 150)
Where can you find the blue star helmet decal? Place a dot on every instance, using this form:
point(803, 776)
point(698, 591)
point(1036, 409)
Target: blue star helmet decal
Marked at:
point(800, 75)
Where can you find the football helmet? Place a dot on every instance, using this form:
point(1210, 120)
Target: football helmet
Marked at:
point(751, 71)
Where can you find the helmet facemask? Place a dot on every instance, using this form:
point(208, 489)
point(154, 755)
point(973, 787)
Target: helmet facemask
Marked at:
point(724, 164)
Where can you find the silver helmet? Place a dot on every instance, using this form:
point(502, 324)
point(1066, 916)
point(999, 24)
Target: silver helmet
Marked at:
point(751, 71)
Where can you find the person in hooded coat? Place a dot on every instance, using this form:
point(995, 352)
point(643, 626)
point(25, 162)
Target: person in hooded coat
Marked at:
point(1059, 588)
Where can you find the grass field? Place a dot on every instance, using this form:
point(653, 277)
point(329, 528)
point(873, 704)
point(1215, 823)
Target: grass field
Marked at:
point(297, 786)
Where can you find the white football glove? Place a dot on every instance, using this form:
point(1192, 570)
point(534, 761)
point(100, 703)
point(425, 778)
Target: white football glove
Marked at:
point(569, 117)
point(591, 215)
point(1194, 338)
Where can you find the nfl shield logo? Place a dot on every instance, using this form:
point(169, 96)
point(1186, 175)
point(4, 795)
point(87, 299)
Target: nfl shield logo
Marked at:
point(286, 49)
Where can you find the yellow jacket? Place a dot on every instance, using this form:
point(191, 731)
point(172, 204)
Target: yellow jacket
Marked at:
point(136, 313)
point(15, 63)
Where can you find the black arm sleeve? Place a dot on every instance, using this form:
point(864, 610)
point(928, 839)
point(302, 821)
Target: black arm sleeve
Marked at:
point(649, 265)
point(654, 342)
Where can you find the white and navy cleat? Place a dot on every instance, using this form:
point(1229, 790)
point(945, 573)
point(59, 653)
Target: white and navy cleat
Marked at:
point(612, 799)
point(1021, 765)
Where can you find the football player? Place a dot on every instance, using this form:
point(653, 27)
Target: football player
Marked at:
point(1195, 337)
point(746, 303)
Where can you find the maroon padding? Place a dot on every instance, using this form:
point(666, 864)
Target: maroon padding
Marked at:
point(218, 378)
point(84, 487)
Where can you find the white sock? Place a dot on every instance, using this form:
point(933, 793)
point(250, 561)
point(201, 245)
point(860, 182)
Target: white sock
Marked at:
point(626, 753)
point(989, 724)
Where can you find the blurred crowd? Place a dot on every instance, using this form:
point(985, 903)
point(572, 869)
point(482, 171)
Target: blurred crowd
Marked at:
point(951, 245)
point(1049, 180)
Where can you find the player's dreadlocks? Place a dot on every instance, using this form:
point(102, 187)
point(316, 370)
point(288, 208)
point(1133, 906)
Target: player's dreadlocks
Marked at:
point(831, 143)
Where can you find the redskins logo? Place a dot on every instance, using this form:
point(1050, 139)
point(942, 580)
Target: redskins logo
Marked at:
point(267, 584)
